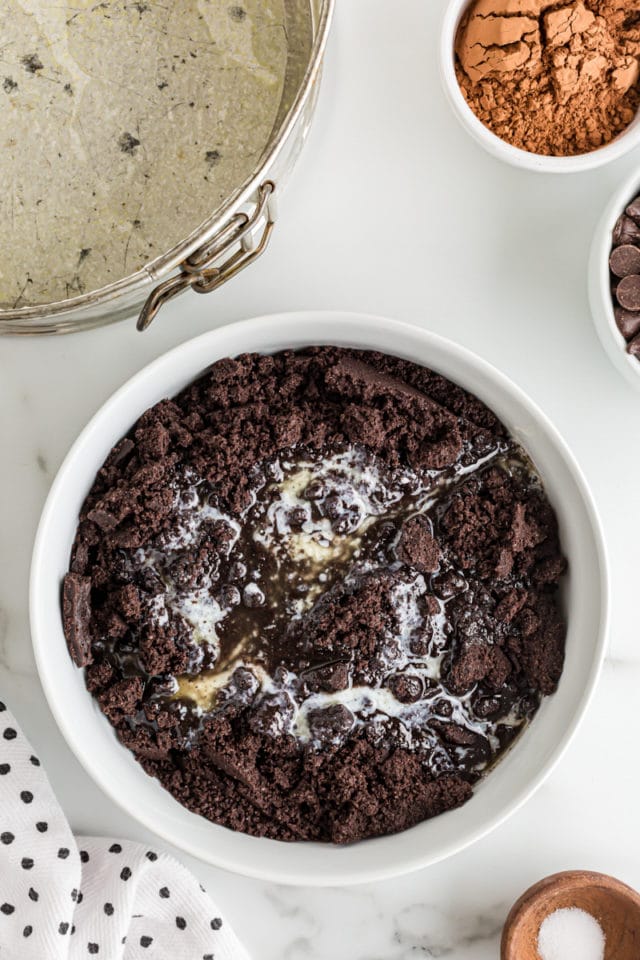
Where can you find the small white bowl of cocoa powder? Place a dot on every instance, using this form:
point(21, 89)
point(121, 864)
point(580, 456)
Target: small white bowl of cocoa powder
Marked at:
point(547, 88)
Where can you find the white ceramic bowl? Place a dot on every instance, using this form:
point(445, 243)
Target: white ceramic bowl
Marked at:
point(493, 144)
point(599, 283)
point(515, 778)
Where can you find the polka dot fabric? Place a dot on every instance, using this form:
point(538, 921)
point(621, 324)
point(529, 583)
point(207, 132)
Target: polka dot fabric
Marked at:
point(67, 898)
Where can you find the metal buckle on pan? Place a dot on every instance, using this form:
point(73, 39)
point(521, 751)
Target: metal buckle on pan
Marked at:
point(199, 271)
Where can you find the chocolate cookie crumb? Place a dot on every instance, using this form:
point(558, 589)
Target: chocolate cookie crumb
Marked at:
point(316, 594)
point(76, 617)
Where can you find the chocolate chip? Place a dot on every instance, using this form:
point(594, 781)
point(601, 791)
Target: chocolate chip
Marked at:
point(76, 617)
point(634, 347)
point(625, 260)
point(626, 230)
point(629, 293)
point(633, 210)
point(628, 322)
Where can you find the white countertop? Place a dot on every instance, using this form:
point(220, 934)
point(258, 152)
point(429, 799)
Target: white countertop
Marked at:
point(392, 210)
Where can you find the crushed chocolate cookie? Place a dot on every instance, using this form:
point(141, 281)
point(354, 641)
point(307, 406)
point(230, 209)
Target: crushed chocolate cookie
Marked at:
point(316, 593)
point(76, 617)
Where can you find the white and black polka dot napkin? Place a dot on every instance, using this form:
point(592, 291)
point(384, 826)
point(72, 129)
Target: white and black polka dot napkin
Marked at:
point(66, 898)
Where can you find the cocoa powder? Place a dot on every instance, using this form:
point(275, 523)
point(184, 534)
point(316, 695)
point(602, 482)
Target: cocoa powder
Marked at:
point(551, 78)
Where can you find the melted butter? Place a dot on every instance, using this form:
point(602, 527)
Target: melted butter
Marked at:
point(203, 689)
point(290, 553)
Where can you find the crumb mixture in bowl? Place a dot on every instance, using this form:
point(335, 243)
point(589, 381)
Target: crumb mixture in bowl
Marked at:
point(316, 593)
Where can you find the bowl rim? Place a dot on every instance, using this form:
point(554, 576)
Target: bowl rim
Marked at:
point(627, 140)
point(363, 324)
point(600, 297)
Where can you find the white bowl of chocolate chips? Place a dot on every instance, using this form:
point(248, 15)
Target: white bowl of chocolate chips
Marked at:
point(324, 598)
point(614, 279)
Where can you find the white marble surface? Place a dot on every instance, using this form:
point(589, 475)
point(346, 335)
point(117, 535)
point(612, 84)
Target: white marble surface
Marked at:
point(392, 210)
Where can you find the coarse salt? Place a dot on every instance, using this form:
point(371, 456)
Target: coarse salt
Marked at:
point(571, 934)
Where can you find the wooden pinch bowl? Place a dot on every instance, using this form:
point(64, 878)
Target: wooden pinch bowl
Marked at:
point(614, 905)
